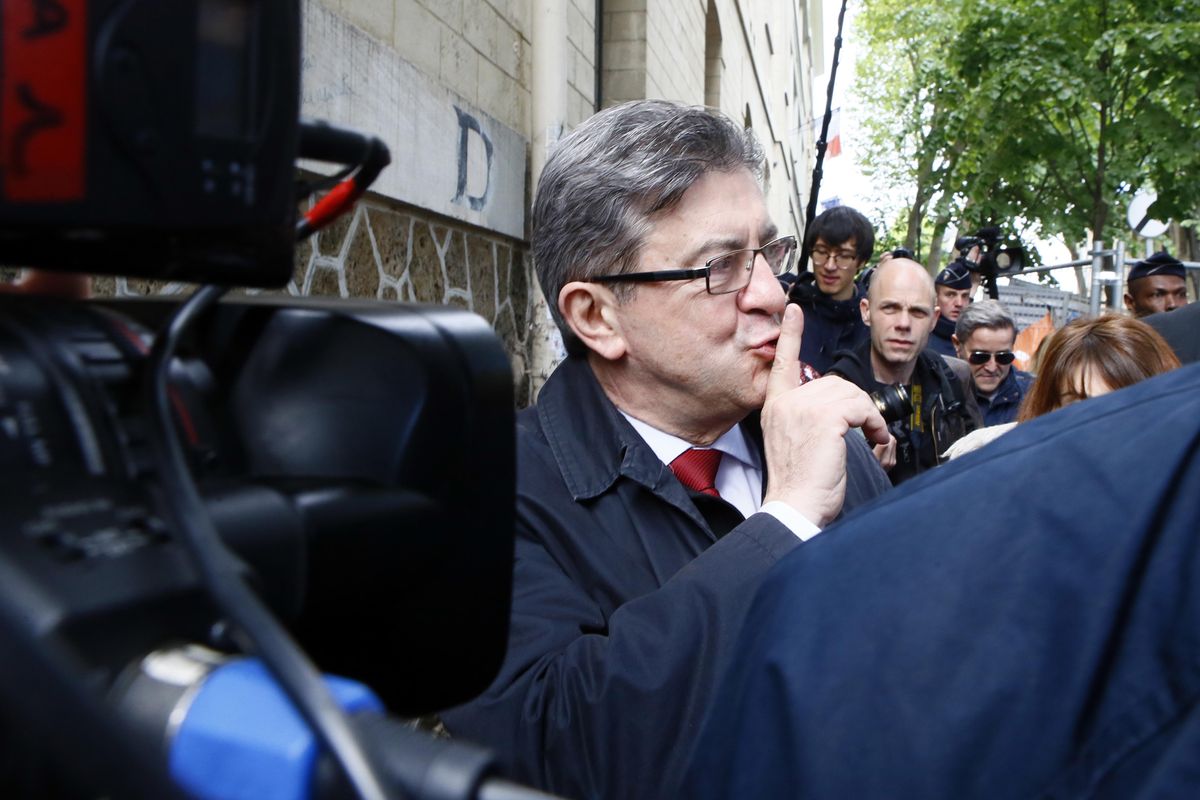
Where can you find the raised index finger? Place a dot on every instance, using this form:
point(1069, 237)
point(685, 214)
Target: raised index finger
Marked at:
point(785, 372)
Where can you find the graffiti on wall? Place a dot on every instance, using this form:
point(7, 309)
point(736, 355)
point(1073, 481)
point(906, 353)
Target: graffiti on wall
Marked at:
point(449, 156)
point(474, 162)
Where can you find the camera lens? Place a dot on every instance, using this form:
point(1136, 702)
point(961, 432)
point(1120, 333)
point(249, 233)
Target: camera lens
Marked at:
point(893, 402)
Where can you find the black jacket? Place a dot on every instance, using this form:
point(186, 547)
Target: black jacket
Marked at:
point(1181, 329)
point(1004, 405)
point(625, 605)
point(939, 339)
point(830, 326)
point(947, 409)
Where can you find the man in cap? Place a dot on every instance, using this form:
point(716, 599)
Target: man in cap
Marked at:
point(953, 286)
point(1156, 284)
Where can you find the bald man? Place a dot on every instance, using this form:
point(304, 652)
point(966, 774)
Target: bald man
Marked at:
point(901, 309)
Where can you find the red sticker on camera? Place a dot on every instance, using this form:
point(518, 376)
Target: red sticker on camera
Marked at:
point(43, 109)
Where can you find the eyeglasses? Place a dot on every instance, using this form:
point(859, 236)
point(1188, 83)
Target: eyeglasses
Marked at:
point(729, 272)
point(840, 260)
point(981, 357)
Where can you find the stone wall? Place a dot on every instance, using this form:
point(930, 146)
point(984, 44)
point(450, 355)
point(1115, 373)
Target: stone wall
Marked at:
point(751, 60)
point(394, 253)
point(399, 254)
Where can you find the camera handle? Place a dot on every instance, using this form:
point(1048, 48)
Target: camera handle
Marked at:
point(235, 735)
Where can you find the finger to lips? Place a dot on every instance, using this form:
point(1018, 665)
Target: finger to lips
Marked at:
point(785, 372)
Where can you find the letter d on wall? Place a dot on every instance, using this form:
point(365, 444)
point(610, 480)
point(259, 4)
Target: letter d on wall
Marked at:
point(474, 162)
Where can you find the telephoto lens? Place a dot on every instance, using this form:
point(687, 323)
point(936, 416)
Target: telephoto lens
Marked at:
point(893, 402)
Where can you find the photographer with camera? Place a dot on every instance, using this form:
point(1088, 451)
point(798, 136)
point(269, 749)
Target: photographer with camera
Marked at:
point(840, 241)
point(900, 310)
point(643, 526)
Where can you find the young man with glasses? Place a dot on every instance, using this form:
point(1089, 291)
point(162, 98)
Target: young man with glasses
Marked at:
point(984, 338)
point(652, 496)
point(840, 241)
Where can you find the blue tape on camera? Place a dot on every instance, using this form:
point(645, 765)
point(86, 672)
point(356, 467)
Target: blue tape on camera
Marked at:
point(243, 738)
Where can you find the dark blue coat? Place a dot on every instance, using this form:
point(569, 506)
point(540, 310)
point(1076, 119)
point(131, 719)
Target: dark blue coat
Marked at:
point(830, 326)
point(625, 605)
point(1024, 622)
point(939, 338)
point(1006, 402)
point(1181, 329)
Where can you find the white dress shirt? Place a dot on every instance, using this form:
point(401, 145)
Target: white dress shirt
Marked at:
point(739, 477)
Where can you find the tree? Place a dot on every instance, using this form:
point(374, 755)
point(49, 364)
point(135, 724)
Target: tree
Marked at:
point(1065, 108)
point(916, 108)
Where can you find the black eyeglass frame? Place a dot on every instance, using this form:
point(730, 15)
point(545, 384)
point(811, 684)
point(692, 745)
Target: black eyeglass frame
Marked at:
point(1003, 357)
point(691, 273)
point(820, 258)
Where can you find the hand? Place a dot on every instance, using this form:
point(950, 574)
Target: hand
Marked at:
point(885, 454)
point(803, 426)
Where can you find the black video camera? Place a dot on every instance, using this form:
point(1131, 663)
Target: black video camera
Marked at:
point(893, 402)
point(994, 258)
point(244, 476)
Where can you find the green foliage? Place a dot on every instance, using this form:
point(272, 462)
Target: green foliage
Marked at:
point(1050, 111)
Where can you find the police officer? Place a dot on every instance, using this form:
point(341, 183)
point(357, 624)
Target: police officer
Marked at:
point(953, 287)
point(1156, 284)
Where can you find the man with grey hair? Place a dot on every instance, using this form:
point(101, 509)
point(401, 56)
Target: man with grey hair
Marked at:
point(984, 338)
point(652, 497)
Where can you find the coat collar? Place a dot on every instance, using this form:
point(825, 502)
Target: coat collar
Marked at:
point(593, 444)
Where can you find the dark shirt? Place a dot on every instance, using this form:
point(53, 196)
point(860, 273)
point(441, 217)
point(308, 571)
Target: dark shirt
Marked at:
point(944, 411)
point(1047, 648)
point(1181, 329)
point(625, 603)
point(1004, 404)
point(939, 338)
point(830, 326)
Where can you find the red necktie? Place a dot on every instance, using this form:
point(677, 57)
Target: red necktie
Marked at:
point(697, 470)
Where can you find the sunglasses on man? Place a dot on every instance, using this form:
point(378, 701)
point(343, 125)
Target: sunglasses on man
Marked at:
point(981, 357)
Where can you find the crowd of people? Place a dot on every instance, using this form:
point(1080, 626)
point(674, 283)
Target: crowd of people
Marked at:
point(721, 588)
point(682, 456)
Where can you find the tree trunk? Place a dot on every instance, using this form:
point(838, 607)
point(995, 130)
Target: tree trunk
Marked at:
point(935, 247)
point(925, 189)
